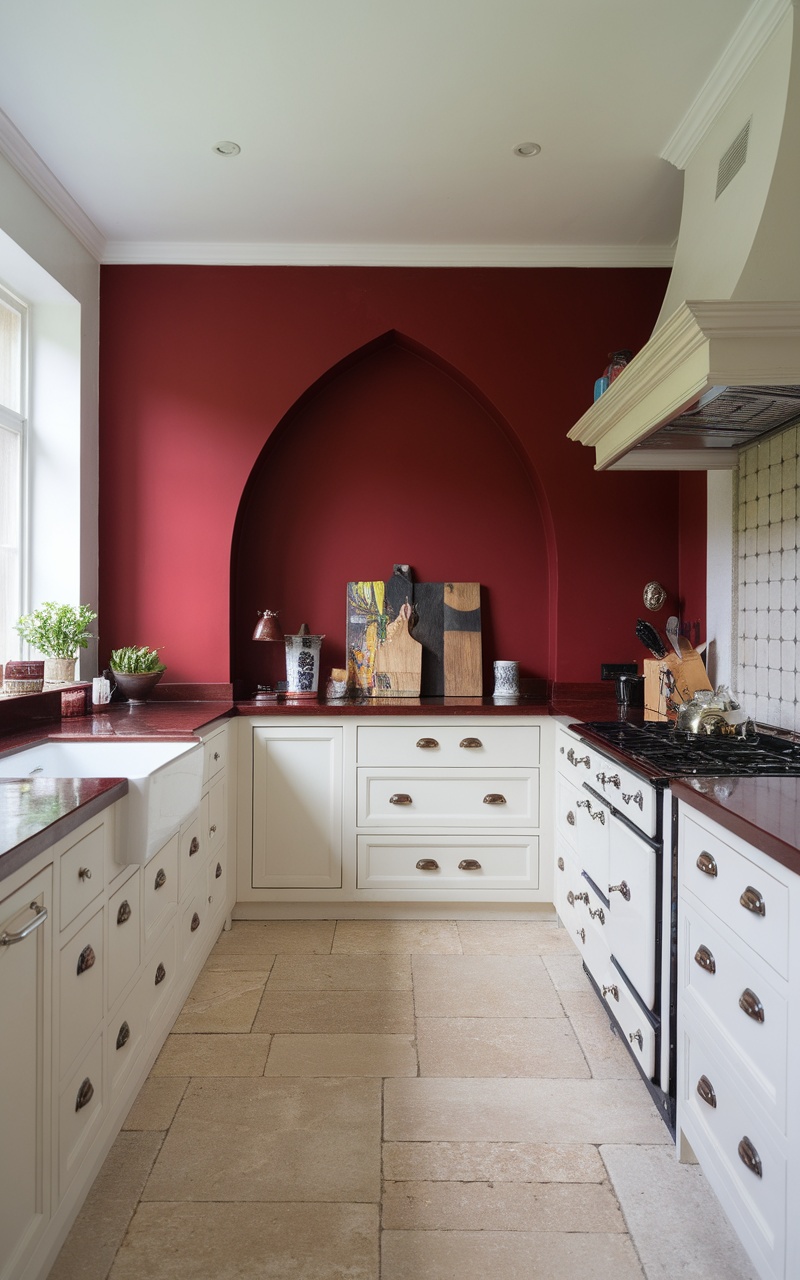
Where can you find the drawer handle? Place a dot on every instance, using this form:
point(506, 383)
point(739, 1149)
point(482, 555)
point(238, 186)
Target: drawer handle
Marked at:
point(161, 878)
point(636, 1037)
point(612, 990)
point(581, 934)
point(427, 864)
point(86, 959)
point(194, 846)
point(570, 818)
point(750, 1004)
point(577, 897)
point(161, 974)
point(634, 799)
point(593, 814)
point(218, 871)
point(576, 760)
point(8, 939)
point(469, 864)
point(613, 780)
point(470, 744)
point(84, 873)
point(124, 914)
point(751, 900)
point(400, 797)
point(195, 925)
point(706, 864)
point(85, 1095)
point(704, 958)
point(216, 755)
point(599, 914)
point(705, 1090)
point(123, 1035)
point(750, 1157)
point(561, 864)
point(427, 744)
point(622, 888)
point(494, 797)
point(212, 830)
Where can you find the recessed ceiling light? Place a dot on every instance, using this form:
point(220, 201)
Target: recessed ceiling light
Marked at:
point(227, 148)
point(527, 149)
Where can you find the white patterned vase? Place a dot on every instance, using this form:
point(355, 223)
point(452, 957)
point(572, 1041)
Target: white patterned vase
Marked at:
point(506, 680)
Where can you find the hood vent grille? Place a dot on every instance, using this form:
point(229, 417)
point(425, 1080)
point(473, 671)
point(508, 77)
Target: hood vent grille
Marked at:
point(733, 160)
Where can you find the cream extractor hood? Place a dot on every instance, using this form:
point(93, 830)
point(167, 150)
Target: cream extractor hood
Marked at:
point(723, 369)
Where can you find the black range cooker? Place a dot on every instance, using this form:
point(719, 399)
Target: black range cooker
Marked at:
point(617, 865)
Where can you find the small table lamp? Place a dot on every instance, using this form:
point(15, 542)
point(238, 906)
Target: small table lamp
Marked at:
point(267, 629)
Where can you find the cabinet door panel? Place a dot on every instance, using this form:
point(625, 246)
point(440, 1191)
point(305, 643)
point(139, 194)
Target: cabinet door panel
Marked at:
point(297, 816)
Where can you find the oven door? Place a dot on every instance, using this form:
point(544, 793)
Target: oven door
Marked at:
point(632, 896)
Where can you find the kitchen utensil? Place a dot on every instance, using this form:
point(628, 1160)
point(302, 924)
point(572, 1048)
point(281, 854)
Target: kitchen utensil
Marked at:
point(650, 638)
point(673, 632)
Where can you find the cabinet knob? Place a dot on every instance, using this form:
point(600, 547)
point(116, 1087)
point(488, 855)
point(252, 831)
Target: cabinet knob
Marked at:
point(84, 873)
point(706, 864)
point(427, 744)
point(123, 1035)
point(124, 914)
point(561, 864)
point(194, 846)
point(427, 864)
point(161, 878)
point(469, 864)
point(751, 900)
point(636, 1037)
point(750, 1157)
point(470, 744)
point(195, 925)
point(570, 818)
point(400, 797)
point(84, 1095)
point(494, 797)
point(218, 871)
point(86, 959)
point(622, 888)
point(750, 1004)
point(212, 830)
point(612, 990)
point(705, 1090)
point(161, 974)
point(216, 755)
point(704, 958)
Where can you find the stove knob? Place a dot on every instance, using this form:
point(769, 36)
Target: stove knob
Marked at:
point(621, 888)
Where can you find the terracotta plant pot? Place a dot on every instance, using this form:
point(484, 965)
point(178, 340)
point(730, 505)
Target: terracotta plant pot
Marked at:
point(136, 688)
point(59, 670)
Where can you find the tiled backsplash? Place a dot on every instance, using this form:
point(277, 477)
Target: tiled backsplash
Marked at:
point(767, 667)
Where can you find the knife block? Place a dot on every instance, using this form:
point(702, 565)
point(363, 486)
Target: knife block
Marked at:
point(656, 685)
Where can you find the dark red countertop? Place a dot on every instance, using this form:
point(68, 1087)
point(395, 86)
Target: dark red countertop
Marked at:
point(36, 812)
point(763, 811)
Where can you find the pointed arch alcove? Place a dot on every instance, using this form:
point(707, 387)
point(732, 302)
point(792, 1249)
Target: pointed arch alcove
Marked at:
point(391, 457)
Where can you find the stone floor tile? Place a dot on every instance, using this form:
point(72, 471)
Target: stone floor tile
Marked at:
point(501, 1206)
point(513, 938)
point(340, 973)
point(580, 1003)
point(567, 972)
point(277, 937)
point(342, 1055)
point(156, 1103)
point(499, 1047)
point(212, 1055)
point(272, 1139)
point(250, 1242)
point(513, 1255)
point(221, 1001)
point(483, 987)
point(674, 1219)
point(513, 1110)
point(98, 1230)
point(492, 1162)
point(396, 937)
point(250, 961)
point(359, 1012)
point(606, 1053)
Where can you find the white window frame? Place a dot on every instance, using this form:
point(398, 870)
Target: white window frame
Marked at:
point(17, 423)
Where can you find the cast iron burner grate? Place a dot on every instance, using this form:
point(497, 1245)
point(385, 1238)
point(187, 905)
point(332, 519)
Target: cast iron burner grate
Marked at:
point(678, 755)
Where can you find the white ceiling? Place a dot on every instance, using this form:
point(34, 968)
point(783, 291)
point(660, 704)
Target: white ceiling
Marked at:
point(370, 130)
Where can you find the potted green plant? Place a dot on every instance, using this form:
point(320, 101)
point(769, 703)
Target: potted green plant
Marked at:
point(58, 631)
point(136, 670)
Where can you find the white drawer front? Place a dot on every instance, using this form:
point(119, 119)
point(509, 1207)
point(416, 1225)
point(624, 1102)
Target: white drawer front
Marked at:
point(82, 874)
point(565, 875)
point(592, 828)
point(631, 920)
point(159, 976)
point(623, 789)
point(448, 863)
point(81, 966)
point(160, 886)
point(192, 852)
point(721, 877)
point(592, 944)
point(213, 810)
point(567, 795)
point(217, 882)
point(81, 1110)
point(124, 931)
point(125, 1038)
point(448, 797)
point(755, 1203)
point(758, 1049)
point(636, 1029)
point(194, 922)
point(215, 754)
point(441, 745)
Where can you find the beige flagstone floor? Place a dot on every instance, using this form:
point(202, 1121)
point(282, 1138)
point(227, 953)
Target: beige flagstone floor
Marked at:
point(396, 1100)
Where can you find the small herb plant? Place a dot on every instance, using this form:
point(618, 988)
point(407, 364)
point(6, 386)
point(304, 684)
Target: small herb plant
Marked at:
point(135, 660)
point(57, 630)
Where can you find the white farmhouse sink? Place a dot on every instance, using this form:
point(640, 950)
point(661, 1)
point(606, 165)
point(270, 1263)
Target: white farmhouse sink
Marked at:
point(164, 782)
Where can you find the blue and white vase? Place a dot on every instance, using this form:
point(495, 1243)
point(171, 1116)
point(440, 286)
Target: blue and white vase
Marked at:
point(302, 664)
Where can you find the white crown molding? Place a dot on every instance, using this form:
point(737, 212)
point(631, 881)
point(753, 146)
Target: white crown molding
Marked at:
point(387, 255)
point(30, 166)
point(756, 28)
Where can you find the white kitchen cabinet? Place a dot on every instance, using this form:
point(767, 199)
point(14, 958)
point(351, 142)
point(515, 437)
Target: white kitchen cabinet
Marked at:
point(739, 1035)
point(297, 807)
point(26, 930)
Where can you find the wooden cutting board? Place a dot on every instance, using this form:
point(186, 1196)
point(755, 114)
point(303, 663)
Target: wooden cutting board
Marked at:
point(463, 671)
point(398, 661)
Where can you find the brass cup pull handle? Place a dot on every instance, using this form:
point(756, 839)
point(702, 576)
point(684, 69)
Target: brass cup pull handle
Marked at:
point(705, 960)
point(636, 1037)
point(599, 914)
point(427, 744)
point(622, 888)
point(161, 974)
point(561, 864)
point(161, 878)
point(84, 1095)
point(400, 797)
point(750, 1157)
point(751, 900)
point(194, 846)
point(218, 871)
point(707, 864)
point(123, 1035)
point(705, 1090)
point(427, 864)
point(576, 760)
point(124, 914)
point(195, 922)
point(570, 818)
point(470, 744)
point(86, 959)
point(494, 797)
point(84, 873)
point(469, 864)
point(750, 1004)
point(612, 990)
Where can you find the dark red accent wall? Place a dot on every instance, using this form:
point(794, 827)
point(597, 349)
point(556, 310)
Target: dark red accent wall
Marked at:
point(269, 433)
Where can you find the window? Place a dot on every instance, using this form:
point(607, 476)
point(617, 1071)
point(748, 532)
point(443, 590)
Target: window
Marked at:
point(13, 368)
